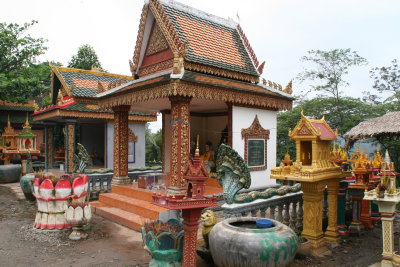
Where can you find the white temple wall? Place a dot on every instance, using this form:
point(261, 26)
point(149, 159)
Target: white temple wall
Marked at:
point(140, 146)
point(242, 118)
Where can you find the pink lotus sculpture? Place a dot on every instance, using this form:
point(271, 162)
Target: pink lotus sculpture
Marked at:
point(53, 196)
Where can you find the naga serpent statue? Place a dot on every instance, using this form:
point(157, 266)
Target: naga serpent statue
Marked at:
point(233, 175)
point(82, 159)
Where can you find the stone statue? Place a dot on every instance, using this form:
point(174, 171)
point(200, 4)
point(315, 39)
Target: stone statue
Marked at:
point(233, 175)
point(208, 220)
point(82, 159)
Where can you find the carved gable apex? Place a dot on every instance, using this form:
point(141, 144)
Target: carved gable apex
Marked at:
point(304, 131)
point(255, 129)
point(132, 136)
point(157, 41)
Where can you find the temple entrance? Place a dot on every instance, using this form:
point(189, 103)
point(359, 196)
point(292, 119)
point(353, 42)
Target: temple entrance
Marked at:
point(306, 152)
point(92, 137)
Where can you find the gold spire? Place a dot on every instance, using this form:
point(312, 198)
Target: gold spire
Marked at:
point(27, 122)
point(197, 152)
point(9, 130)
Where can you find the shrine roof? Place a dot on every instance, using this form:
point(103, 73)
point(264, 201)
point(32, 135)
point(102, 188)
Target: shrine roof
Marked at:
point(308, 127)
point(4, 105)
point(325, 130)
point(85, 83)
point(211, 40)
point(90, 110)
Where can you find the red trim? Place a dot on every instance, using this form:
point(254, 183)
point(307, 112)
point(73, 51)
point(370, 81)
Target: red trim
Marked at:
point(55, 106)
point(157, 57)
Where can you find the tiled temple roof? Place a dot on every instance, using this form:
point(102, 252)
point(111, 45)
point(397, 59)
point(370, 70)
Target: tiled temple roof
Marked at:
point(85, 83)
point(211, 40)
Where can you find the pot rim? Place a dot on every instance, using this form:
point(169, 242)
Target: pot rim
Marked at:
point(227, 223)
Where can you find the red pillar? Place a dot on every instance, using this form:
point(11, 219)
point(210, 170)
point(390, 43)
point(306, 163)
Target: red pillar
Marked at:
point(121, 145)
point(191, 225)
point(366, 214)
point(180, 140)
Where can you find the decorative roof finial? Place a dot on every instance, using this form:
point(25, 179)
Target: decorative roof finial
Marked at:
point(323, 116)
point(197, 152)
point(302, 113)
point(387, 157)
point(27, 121)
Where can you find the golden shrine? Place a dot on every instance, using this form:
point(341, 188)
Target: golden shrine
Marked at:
point(314, 170)
point(8, 137)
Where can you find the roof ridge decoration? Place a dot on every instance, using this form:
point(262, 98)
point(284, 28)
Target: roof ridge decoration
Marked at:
point(248, 47)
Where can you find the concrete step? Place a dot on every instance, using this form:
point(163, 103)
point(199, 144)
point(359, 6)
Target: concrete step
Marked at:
point(140, 207)
point(213, 183)
point(122, 217)
point(133, 191)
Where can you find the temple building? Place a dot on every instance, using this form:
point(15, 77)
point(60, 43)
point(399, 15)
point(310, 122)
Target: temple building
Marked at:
point(201, 73)
point(74, 117)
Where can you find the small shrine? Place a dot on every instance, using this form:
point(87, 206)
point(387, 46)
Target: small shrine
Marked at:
point(8, 136)
point(191, 205)
point(314, 170)
point(386, 196)
point(26, 140)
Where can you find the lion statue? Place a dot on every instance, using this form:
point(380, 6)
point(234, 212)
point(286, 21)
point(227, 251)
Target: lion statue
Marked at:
point(208, 220)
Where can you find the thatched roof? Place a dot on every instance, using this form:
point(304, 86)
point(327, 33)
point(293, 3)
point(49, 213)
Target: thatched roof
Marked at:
point(386, 125)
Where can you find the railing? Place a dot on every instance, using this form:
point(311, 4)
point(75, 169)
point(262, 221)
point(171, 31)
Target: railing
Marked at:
point(101, 182)
point(287, 209)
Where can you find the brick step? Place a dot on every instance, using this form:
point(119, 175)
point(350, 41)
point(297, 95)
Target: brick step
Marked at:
point(122, 217)
point(133, 191)
point(136, 206)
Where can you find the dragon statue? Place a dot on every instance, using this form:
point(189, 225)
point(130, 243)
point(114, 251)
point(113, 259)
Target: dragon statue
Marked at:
point(82, 159)
point(233, 175)
point(208, 220)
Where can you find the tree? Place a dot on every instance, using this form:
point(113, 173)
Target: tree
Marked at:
point(18, 73)
point(331, 67)
point(86, 58)
point(329, 71)
point(153, 145)
point(387, 79)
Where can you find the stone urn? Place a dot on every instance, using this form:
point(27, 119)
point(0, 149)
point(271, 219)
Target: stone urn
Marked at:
point(53, 196)
point(164, 242)
point(78, 215)
point(10, 173)
point(238, 242)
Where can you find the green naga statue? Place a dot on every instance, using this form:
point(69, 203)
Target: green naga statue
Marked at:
point(82, 159)
point(233, 175)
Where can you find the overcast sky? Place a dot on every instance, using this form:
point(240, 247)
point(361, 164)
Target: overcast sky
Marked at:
point(279, 31)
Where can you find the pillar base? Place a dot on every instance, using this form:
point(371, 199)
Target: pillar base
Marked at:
point(173, 190)
point(332, 237)
point(356, 228)
point(120, 180)
point(318, 247)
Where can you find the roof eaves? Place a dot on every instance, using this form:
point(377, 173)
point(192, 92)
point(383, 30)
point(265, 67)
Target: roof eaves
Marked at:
point(122, 86)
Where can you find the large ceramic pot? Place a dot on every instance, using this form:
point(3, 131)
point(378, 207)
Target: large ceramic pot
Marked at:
point(238, 242)
point(10, 173)
point(26, 186)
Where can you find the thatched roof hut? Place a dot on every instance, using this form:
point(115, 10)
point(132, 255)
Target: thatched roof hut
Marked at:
point(386, 125)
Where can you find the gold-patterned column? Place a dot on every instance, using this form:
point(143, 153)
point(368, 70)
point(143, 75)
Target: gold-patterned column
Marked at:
point(69, 145)
point(332, 231)
point(121, 145)
point(313, 196)
point(387, 238)
point(180, 134)
point(49, 149)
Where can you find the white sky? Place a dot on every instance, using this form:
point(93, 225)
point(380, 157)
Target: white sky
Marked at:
point(280, 31)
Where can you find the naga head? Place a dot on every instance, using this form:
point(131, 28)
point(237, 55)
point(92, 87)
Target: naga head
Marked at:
point(232, 172)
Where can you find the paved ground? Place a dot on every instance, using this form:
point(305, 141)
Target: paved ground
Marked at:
point(112, 245)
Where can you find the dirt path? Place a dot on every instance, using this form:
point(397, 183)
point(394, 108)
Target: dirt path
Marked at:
point(110, 244)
